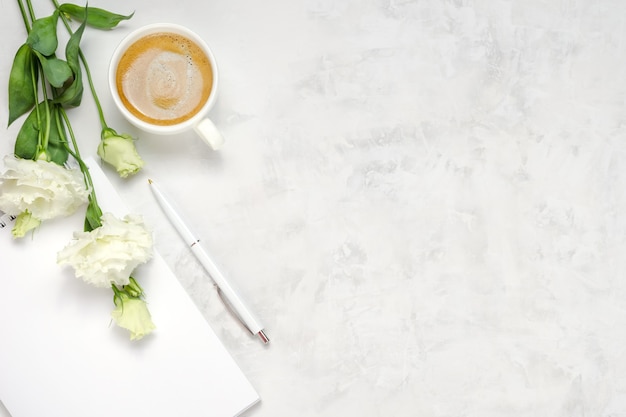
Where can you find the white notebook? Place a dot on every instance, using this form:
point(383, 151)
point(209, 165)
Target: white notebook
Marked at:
point(61, 355)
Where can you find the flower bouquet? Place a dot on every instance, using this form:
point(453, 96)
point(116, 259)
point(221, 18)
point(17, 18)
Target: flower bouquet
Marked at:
point(46, 177)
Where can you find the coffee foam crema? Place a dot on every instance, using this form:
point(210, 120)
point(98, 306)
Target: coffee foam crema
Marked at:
point(164, 78)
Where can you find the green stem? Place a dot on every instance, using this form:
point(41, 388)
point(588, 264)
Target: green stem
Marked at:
point(23, 10)
point(30, 10)
point(46, 131)
point(44, 134)
point(37, 106)
point(32, 75)
point(117, 295)
point(103, 122)
point(76, 154)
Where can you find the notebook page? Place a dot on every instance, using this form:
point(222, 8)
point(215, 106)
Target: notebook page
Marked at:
point(61, 355)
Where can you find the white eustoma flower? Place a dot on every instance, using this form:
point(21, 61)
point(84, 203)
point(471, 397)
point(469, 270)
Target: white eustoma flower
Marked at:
point(44, 189)
point(109, 253)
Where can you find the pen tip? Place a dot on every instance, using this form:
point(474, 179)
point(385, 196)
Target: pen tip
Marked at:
point(263, 337)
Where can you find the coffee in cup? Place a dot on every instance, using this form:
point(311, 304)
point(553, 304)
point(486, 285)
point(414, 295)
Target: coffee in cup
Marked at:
point(163, 78)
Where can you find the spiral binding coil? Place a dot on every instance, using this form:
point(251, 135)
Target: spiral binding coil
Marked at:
point(5, 219)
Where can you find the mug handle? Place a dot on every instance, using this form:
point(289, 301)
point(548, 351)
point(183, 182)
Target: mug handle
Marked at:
point(209, 133)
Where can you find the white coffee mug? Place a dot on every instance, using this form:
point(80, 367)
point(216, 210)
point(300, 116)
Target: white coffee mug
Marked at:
point(199, 121)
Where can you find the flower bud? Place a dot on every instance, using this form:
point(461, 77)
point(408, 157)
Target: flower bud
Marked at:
point(132, 314)
point(119, 151)
point(23, 223)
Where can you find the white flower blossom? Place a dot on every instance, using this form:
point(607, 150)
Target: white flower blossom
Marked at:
point(109, 253)
point(44, 189)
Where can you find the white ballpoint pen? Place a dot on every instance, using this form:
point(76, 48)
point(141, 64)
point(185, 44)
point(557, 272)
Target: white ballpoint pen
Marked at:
point(228, 293)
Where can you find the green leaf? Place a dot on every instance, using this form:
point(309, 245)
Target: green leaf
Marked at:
point(73, 94)
point(57, 149)
point(43, 36)
point(28, 137)
point(22, 81)
point(27, 141)
point(56, 70)
point(92, 216)
point(96, 18)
